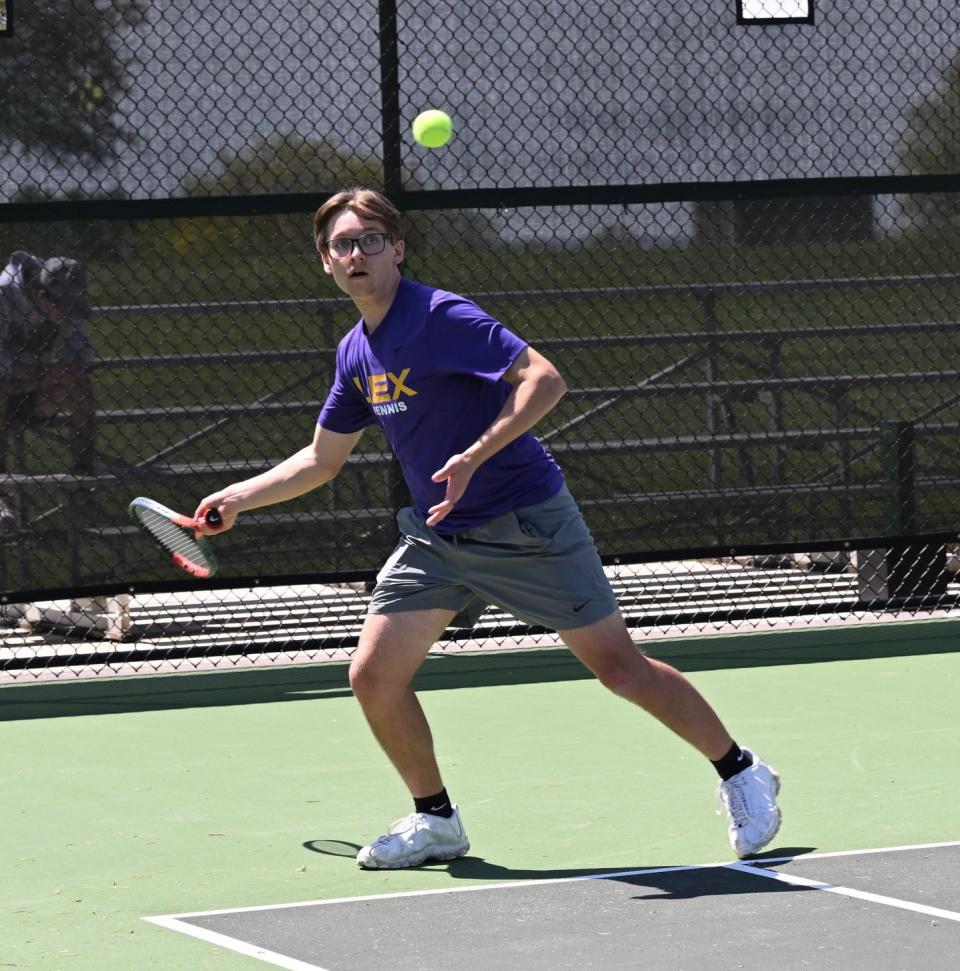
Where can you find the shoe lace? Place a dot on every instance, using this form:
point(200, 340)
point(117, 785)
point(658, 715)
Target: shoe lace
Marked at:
point(732, 796)
point(405, 826)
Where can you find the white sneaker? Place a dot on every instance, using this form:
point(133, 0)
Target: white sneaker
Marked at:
point(750, 800)
point(415, 840)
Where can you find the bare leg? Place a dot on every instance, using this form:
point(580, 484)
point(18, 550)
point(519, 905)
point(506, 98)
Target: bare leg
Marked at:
point(607, 649)
point(392, 648)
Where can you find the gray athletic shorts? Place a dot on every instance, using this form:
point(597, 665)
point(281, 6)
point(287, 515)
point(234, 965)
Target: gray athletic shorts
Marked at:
point(538, 563)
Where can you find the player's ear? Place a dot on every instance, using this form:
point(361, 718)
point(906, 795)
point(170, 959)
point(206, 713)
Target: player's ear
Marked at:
point(325, 259)
point(399, 248)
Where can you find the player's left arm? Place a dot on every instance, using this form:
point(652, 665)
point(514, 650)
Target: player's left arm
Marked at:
point(537, 387)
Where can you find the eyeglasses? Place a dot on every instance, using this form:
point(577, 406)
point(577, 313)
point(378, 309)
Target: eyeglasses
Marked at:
point(370, 244)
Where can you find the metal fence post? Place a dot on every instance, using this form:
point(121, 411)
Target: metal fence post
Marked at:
point(897, 440)
point(390, 96)
point(900, 571)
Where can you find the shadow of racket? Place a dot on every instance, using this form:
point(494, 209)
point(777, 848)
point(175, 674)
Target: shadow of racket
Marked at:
point(333, 847)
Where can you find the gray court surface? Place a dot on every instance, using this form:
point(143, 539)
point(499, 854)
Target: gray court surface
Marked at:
point(873, 909)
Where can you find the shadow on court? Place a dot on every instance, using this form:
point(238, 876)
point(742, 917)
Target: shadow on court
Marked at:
point(877, 909)
point(314, 682)
point(476, 868)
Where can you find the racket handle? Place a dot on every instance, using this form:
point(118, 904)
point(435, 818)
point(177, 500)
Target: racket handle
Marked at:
point(213, 518)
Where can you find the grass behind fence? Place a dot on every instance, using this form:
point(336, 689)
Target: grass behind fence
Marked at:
point(271, 258)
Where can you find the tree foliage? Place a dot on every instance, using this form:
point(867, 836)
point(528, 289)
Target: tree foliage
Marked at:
point(930, 145)
point(61, 75)
point(285, 163)
point(281, 163)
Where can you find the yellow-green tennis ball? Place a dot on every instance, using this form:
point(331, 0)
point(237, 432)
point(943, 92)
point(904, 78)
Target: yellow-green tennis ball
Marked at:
point(432, 128)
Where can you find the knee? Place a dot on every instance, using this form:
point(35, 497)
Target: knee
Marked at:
point(369, 681)
point(362, 678)
point(628, 675)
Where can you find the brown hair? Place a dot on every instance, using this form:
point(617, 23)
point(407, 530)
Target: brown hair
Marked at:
point(366, 203)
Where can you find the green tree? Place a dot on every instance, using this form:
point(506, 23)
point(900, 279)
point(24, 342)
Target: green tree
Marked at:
point(930, 145)
point(61, 75)
point(284, 163)
point(281, 163)
point(269, 165)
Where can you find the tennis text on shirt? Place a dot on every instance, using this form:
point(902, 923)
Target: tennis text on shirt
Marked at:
point(431, 376)
point(384, 390)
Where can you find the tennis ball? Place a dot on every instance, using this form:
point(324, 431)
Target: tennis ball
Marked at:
point(432, 128)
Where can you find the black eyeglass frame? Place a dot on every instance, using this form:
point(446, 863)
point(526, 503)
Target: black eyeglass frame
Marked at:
point(357, 241)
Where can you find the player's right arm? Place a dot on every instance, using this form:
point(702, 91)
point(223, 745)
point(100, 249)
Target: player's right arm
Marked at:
point(311, 467)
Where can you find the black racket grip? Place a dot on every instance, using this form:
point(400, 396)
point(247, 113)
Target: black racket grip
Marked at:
point(213, 519)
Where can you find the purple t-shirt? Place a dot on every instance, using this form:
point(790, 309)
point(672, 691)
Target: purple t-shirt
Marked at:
point(431, 376)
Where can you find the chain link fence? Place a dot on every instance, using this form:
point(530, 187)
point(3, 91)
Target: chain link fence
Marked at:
point(738, 243)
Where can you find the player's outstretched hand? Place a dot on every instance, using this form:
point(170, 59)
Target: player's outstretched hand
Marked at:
point(456, 472)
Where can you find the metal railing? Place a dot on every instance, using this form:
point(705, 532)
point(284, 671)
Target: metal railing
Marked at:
point(625, 511)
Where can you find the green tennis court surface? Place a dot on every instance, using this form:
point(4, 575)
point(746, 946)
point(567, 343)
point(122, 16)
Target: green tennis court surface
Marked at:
point(182, 795)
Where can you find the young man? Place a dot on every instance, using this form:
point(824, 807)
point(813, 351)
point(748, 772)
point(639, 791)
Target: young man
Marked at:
point(45, 353)
point(456, 394)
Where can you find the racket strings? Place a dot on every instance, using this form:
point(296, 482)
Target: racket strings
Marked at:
point(179, 540)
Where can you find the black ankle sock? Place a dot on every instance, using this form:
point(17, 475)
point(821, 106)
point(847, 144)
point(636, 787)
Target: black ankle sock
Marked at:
point(736, 760)
point(438, 805)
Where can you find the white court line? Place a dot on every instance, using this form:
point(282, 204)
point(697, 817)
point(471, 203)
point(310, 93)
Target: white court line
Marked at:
point(473, 888)
point(178, 922)
point(827, 856)
point(873, 898)
point(234, 944)
point(532, 883)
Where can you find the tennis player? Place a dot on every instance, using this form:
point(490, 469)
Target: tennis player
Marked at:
point(456, 394)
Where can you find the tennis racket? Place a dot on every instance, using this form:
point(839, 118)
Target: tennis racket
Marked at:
point(176, 534)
